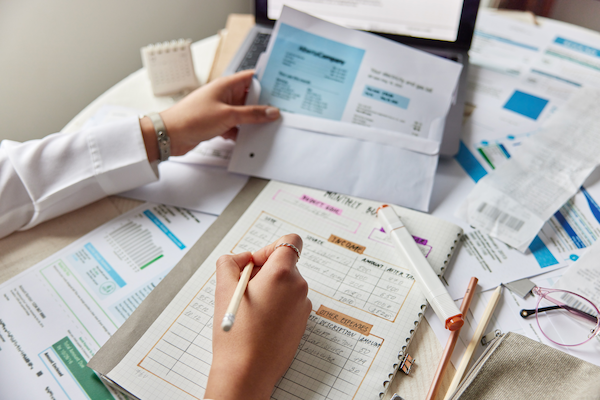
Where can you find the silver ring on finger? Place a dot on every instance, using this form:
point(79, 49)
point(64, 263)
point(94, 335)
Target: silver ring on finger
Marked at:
point(291, 246)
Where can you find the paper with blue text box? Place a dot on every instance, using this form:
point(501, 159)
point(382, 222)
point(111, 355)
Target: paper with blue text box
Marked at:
point(352, 113)
point(320, 69)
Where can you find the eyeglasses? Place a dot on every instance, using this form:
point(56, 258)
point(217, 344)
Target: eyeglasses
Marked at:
point(564, 317)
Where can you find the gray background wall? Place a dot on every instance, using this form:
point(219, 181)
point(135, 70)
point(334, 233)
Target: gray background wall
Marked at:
point(584, 13)
point(56, 56)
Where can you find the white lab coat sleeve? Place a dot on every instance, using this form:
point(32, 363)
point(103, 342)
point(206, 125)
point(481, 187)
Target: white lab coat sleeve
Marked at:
point(42, 179)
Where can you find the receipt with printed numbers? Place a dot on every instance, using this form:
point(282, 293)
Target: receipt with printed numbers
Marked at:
point(514, 201)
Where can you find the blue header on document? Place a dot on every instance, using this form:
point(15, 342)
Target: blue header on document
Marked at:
point(164, 229)
point(582, 48)
point(308, 74)
point(104, 264)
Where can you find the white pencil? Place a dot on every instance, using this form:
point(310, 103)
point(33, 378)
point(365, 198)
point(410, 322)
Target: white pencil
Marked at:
point(234, 304)
point(475, 340)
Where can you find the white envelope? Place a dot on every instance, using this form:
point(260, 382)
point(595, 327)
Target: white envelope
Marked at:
point(324, 160)
point(365, 116)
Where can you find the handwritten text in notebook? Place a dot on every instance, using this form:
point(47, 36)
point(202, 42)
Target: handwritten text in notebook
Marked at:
point(337, 271)
point(183, 354)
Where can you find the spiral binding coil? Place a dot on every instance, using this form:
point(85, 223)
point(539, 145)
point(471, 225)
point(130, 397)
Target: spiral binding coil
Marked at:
point(402, 354)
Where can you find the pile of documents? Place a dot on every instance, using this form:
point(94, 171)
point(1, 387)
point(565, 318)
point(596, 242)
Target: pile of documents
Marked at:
point(525, 181)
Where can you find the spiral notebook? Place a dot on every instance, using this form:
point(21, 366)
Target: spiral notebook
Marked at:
point(366, 305)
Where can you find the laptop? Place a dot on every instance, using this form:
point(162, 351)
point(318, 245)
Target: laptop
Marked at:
point(441, 27)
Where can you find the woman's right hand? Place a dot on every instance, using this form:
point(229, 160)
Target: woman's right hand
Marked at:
point(250, 358)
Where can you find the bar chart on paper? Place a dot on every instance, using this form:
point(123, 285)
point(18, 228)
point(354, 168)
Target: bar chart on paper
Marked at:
point(133, 242)
point(64, 308)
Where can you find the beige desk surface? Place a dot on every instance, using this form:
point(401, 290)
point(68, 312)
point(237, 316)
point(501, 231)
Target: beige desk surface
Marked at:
point(22, 250)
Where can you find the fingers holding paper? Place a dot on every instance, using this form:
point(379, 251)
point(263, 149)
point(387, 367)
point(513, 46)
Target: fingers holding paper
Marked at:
point(268, 325)
point(212, 110)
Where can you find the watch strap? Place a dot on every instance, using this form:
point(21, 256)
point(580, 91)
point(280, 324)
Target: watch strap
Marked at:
point(162, 137)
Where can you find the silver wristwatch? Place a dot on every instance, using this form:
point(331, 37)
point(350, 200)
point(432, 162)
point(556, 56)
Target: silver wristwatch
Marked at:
point(164, 142)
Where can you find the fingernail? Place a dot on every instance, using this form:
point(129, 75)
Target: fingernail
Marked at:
point(272, 112)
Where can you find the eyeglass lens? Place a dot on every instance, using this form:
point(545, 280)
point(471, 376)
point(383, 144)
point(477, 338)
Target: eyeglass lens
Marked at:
point(566, 318)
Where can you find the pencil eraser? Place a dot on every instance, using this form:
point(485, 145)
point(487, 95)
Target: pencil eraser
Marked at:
point(227, 322)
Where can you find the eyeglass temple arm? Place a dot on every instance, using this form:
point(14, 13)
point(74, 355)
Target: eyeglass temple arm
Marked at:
point(527, 313)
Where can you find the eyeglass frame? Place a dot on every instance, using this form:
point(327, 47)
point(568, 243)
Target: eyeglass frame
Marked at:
point(542, 292)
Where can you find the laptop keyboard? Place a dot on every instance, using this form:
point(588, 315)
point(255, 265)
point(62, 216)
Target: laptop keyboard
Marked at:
point(258, 46)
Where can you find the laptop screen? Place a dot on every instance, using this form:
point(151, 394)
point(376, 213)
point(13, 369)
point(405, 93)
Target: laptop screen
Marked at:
point(417, 22)
point(431, 19)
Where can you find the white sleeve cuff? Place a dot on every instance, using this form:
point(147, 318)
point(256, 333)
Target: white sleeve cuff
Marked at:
point(119, 156)
point(63, 172)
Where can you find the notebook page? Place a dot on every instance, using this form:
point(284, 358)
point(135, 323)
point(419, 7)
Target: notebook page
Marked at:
point(365, 302)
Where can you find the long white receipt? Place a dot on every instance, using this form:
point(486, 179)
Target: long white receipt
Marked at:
point(513, 202)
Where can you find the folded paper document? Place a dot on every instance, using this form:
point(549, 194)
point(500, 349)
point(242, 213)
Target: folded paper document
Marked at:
point(513, 203)
point(363, 115)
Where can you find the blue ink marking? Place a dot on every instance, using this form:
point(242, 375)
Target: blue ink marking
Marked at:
point(526, 104)
point(594, 208)
point(541, 253)
point(105, 265)
point(469, 163)
point(569, 230)
point(574, 257)
point(510, 137)
point(501, 146)
point(386, 97)
point(163, 228)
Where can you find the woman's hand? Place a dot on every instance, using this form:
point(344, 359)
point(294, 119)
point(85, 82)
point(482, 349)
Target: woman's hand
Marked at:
point(250, 358)
point(212, 110)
